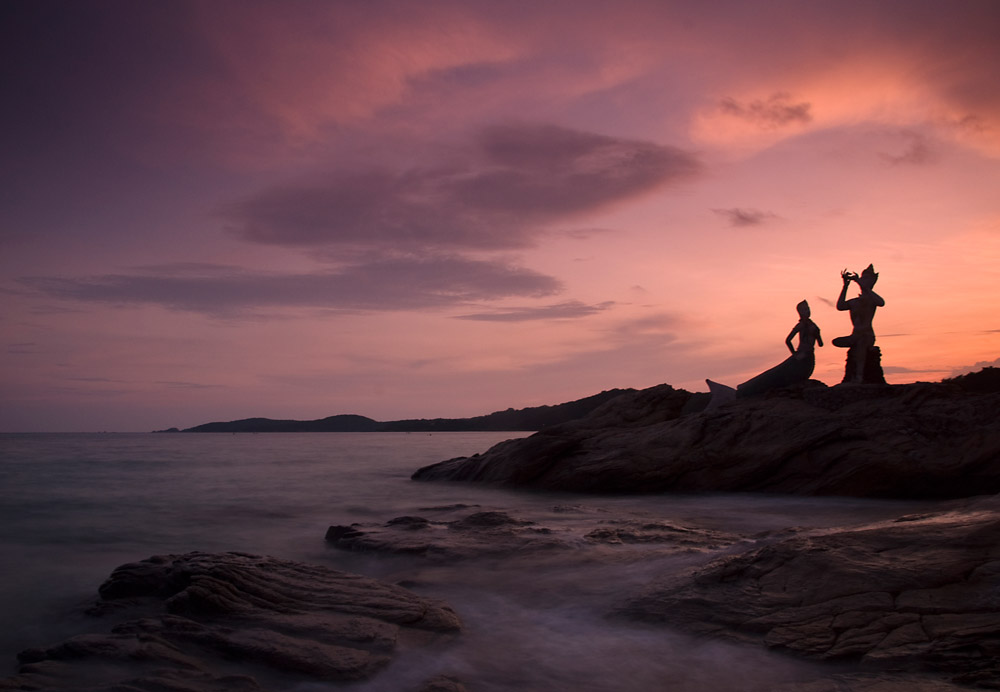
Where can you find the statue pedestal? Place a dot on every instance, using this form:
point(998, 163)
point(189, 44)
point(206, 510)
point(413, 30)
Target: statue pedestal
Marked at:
point(873, 365)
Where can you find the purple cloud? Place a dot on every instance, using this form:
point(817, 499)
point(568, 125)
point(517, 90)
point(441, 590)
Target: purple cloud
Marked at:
point(745, 217)
point(966, 369)
point(517, 179)
point(917, 151)
point(572, 309)
point(389, 284)
point(777, 111)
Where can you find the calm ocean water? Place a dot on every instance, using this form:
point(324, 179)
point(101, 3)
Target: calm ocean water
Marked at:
point(73, 507)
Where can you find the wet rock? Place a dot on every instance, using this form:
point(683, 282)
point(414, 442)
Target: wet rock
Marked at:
point(873, 682)
point(189, 618)
point(900, 441)
point(443, 683)
point(487, 520)
point(410, 522)
point(919, 593)
point(659, 532)
point(454, 534)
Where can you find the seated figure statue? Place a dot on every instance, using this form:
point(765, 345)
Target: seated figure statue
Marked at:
point(796, 368)
point(863, 358)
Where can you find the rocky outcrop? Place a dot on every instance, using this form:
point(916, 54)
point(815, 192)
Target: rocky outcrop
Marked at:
point(462, 532)
point(183, 621)
point(900, 441)
point(920, 593)
point(477, 534)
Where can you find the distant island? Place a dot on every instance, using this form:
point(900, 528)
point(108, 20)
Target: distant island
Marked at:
point(532, 418)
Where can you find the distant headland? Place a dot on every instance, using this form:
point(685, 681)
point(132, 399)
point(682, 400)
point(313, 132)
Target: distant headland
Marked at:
point(532, 418)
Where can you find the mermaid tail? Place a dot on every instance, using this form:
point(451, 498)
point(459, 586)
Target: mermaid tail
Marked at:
point(790, 371)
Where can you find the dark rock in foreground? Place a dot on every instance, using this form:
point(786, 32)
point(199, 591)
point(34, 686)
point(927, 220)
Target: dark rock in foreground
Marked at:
point(919, 593)
point(900, 441)
point(185, 620)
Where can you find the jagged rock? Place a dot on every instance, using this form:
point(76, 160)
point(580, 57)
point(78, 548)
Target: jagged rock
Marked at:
point(447, 536)
point(188, 617)
point(461, 532)
point(921, 593)
point(899, 441)
point(631, 531)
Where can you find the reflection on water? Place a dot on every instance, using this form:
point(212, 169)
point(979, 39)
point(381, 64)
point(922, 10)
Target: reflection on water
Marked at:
point(73, 507)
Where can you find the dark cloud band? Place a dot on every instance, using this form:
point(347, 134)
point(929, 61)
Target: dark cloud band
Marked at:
point(392, 284)
point(775, 112)
point(572, 309)
point(515, 180)
point(745, 217)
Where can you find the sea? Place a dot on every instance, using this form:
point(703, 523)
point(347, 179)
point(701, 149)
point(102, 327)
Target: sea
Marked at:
point(75, 506)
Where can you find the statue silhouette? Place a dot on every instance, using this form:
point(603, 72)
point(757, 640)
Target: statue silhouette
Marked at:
point(863, 357)
point(796, 368)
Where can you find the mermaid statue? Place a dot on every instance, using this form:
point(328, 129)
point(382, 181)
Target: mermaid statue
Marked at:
point(798, 367)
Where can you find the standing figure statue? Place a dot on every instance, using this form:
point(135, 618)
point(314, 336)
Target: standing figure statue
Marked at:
point(864, 359)
point(796, 368)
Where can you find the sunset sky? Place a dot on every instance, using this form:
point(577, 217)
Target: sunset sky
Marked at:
point(221, 209)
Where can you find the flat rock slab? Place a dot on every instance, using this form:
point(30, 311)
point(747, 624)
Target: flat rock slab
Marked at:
point(462, 532)
point(232, 621)
point(918, 593)
point(919, 441)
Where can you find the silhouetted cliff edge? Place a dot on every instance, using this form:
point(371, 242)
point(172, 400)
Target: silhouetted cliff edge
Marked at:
point(533, 418)
point(924, 440)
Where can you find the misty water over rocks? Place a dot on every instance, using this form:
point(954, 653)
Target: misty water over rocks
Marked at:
point(532, 576)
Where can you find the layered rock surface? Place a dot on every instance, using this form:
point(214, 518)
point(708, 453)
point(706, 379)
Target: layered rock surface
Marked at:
point(900, 441)
point(189, 622)
point(462, 532)
point(921, 593)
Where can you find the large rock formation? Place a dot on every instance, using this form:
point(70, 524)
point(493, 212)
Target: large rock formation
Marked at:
point(920, 593)
point(185, 620)
point(901, 441)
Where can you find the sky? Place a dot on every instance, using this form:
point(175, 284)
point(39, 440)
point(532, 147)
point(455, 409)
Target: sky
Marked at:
point(219, 210)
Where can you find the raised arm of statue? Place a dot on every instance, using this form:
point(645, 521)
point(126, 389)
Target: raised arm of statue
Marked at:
point(848, 277)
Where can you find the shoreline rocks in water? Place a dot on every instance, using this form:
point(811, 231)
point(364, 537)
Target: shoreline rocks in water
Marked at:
point(449, 534)
point(918, 593)
point(185, 622)
point(916, 441)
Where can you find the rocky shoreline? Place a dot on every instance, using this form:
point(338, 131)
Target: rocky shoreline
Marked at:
point(905, 602)
point(894, 441)
point(916, 593)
